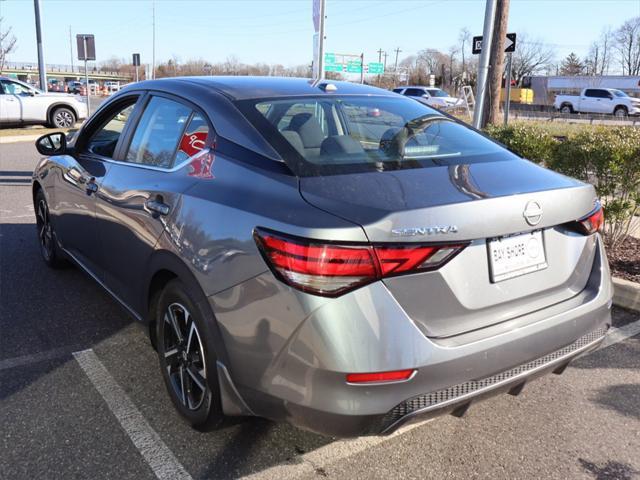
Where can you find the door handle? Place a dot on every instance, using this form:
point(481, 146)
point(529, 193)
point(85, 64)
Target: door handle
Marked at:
point(157, 206)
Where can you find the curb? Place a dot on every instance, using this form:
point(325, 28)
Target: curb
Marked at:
point(626, 294)
point(19, 138)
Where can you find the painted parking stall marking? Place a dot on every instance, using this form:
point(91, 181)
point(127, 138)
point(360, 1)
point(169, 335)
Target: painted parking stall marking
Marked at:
point(155, 452)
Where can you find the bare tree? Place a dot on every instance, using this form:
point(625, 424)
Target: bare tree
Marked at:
point(464, 37)
point(599, 57)
point(627, 39)
point(529, 57)
point(7, 44)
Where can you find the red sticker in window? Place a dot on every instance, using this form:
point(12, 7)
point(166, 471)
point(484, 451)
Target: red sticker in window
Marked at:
point(192, 143)
point(202, 164)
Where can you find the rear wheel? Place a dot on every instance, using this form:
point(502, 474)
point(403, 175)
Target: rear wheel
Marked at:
point(62, 117)
point(187, 357)
point(46, 236)
point(621, 112)
point(566, 108)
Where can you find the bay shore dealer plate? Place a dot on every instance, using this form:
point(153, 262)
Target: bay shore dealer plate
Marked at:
point(517, 255)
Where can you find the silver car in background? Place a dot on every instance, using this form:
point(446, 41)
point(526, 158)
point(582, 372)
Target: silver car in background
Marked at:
point(325, 253)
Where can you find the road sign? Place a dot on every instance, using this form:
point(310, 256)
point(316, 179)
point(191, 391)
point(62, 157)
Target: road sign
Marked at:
point(86, 47)
point(509, 44)
point(136, 59)
point(376, 68)
point(354, 66)
point(329, 58)
point(333, 67)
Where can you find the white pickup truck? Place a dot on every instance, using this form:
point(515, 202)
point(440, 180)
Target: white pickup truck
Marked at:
point(599, 100)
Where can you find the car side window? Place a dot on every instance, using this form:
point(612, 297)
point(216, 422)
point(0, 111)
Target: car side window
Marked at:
point(414, 92)
point(590, 93)
point(161, 127)
point(13, 88)
point(104, 140)
point(193, 139)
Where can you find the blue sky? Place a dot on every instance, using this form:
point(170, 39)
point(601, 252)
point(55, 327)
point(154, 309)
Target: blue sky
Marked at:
point(280, 31)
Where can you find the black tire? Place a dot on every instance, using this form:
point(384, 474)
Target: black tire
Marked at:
point(62, 117)
point(621, 112)
point(49, 250)
point(188, 362)
point(566, 108)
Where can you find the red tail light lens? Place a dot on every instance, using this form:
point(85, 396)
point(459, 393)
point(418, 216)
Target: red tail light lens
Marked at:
point(395, 376)
point(329, 269)
point(592, 223)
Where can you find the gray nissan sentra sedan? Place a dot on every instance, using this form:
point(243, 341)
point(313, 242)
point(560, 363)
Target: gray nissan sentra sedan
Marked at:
point(330, 254)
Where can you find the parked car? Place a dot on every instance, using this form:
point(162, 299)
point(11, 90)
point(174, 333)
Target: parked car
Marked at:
point(298, 258)
point(112, 86)
point(599, 100)
point(20, 103)
point(75, 87)
point(55, 85)
point(434, 97)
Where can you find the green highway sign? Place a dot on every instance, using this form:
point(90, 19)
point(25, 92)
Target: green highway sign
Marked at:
point(333, 67)
point(354, 66)
point(376, 68)
point(329, 58)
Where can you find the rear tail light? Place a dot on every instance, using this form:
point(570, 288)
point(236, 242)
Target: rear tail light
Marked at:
point(381, 377)
point(592, 223)
point(331, 269)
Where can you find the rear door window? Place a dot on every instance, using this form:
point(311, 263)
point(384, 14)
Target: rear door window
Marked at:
point(414, 92)
point(159, 133)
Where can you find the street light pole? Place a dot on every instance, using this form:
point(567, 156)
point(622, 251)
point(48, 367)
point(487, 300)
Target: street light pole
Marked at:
point(41, 66)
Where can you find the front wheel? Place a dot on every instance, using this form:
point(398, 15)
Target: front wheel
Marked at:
point(187, 357)
point(566, 109)
point(62, 117)
point(621, 112)
point(46, 236)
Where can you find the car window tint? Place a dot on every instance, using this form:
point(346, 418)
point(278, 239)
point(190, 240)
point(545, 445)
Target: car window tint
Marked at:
point(194, 138)
point(156, 138)
point(12, 88)
point(103, 142)
point(414, 92)
point(590, 93)
point(313, 109)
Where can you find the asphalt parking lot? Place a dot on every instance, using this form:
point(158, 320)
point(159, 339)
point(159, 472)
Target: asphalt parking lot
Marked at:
point(81, 396)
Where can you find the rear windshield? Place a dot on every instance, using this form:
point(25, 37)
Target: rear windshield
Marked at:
point(436, 92)
point(347, 134)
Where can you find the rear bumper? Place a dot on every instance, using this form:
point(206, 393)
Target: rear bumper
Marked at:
point(298, 373)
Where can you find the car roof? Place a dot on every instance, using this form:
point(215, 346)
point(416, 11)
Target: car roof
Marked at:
point(242, 88)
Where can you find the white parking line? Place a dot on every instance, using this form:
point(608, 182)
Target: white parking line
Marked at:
point(617, 335)
point(156, 453)
point(35, 358)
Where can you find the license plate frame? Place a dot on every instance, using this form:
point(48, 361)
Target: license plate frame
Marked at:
point(516, 255)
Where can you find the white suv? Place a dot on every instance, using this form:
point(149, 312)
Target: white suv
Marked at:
point(21, 103)
point(434, 97)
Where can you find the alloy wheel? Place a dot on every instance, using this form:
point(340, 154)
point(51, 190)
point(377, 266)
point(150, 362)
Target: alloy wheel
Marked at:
point(63, 119)
point(45, 232)
point(184, 356)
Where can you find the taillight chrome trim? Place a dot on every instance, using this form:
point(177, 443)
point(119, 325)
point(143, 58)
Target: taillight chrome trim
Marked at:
point(374, 251)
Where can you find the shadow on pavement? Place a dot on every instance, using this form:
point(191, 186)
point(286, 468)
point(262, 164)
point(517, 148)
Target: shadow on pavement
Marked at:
point(623, 399)
point(609, 470)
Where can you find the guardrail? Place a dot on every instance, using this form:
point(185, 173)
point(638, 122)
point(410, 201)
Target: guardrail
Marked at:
point(61, 69)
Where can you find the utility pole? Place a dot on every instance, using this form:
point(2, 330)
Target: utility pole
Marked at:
point(483, 67)
point(507, 98)
point(491, 114)
point(380, 55)
point(385, 61)
point(362, 68)
point(41, 66)
point(323, 7)
point(397, 50)
point(71, 48)
point(153, 55)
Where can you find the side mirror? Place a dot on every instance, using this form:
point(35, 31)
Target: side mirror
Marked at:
point(52, 144)
point(31, 93)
